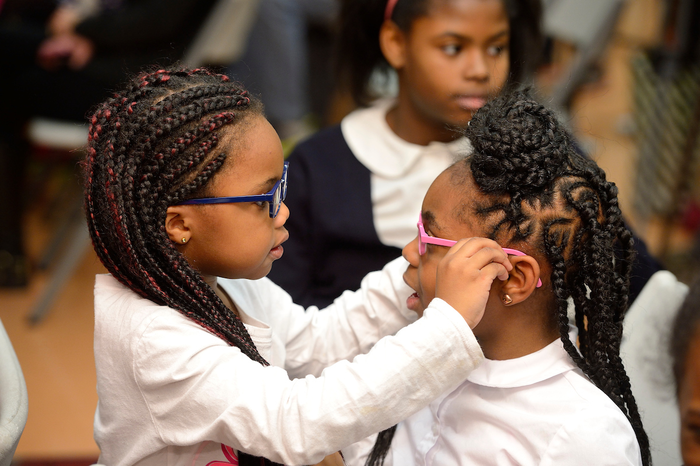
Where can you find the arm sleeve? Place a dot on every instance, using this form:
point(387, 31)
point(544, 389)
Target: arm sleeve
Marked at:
point(594, 437)
point(198, 389)
point(315, 339)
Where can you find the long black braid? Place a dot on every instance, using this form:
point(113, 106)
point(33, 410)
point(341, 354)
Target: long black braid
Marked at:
point(537, 190)
point(151, 146)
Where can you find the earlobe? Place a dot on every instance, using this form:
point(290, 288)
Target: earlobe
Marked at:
point(522, 280)
point(177, 226)
point(393, 44)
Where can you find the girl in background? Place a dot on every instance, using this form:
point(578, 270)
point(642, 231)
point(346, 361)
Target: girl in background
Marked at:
point(200, 359)
point(359, 185)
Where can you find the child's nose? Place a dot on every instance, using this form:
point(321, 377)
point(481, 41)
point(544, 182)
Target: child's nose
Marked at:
point(475, 66)
point(282, 216)
point(410, 252)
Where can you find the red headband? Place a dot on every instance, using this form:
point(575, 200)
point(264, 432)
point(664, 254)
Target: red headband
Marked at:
point(390, 4)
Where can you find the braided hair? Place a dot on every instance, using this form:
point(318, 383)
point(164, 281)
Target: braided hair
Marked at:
point(150, 146)
point(539, 191)
point(359, 55)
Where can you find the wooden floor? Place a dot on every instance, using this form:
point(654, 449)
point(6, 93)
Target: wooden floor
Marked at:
point(56, 354)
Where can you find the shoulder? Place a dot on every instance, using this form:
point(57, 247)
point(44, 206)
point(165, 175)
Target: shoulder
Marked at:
point(124, 318)
point(596, 433)
point(262, 299)
point(325, 158)
point(319, 144)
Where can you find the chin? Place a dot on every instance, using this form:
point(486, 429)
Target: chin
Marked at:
point(261, 273)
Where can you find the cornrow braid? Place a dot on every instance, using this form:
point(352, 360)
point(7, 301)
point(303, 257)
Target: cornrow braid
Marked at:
point(539, 194)
point(151, 146)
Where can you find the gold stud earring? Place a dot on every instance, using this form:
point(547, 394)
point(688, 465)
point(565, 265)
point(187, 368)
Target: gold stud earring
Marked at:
point(507, 299)
point(184, 240)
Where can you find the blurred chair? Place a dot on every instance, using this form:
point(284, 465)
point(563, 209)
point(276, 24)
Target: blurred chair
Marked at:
point(71, 239)
point(588, 26)
point(645, 355)
point(13, 399)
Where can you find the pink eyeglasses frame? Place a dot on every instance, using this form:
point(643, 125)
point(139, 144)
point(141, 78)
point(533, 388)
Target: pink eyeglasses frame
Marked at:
point(424, 239)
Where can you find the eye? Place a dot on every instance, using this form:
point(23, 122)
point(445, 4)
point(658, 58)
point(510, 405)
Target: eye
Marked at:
point(496, 50)
point(261, 203)
point(451, 49)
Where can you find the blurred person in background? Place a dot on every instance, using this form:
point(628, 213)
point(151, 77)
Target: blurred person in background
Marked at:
point(275, 63)
point(58, 61)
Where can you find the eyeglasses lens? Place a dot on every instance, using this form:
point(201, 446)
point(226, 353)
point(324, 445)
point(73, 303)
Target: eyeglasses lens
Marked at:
point(277, 201)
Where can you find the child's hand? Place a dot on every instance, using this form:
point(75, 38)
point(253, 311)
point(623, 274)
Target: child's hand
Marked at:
point(465, 274)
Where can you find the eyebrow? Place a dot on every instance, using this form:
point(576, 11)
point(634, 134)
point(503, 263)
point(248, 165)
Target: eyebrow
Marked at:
point(429, 222)
point(456, 35)
point(265, 186)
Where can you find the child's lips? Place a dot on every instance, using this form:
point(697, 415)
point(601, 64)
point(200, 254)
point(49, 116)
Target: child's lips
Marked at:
point(278, 250)
point(413, 302)
point(471, 102)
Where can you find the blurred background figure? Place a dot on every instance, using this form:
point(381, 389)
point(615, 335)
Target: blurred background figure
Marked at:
point(684, 350)
point(59, 60)
point(276, 63)
point(360, 184)
point(666, 126)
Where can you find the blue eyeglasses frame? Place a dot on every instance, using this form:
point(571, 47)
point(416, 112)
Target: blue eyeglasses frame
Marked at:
point(275, 197)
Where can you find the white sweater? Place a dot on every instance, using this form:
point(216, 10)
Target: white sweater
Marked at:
point(171, 393)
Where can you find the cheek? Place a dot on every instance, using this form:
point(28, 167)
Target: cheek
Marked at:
point(499, 72)
point(688, 402)
point(690, 445)
point(427, 274)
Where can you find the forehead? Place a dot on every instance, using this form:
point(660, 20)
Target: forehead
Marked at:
point(254, 153)
point(448, 207)
point(470, 18)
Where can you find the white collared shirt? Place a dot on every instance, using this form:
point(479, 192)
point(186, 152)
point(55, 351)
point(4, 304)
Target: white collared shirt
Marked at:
point(535, 410)
point(170, 392)
point(401, 172)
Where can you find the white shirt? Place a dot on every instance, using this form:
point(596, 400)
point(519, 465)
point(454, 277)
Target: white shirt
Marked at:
point(171, 393)
point(401, 172)
point(535, 410)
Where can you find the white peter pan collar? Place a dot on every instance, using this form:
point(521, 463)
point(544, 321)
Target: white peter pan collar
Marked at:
point(378, 148)
point(544, 364)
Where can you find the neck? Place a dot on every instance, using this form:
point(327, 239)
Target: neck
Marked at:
point(412, 126)
point(514, 344)
point(212, 281)
point(515, 331)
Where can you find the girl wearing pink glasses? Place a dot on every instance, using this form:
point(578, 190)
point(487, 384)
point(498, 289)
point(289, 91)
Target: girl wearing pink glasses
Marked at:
point(549, 392)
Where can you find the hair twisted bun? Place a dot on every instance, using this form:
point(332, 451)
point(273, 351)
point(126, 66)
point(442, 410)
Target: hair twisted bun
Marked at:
point(518, 146)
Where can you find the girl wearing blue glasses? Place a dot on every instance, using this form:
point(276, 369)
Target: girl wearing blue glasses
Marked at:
point(549, 392)
point(200, 359)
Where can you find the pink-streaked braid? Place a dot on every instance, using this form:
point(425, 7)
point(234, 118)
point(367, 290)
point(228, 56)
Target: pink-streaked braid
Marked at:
point(150, 146)
point(389, 11)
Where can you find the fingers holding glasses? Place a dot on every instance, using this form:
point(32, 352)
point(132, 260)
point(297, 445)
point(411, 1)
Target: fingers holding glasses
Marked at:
point(465, 275)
